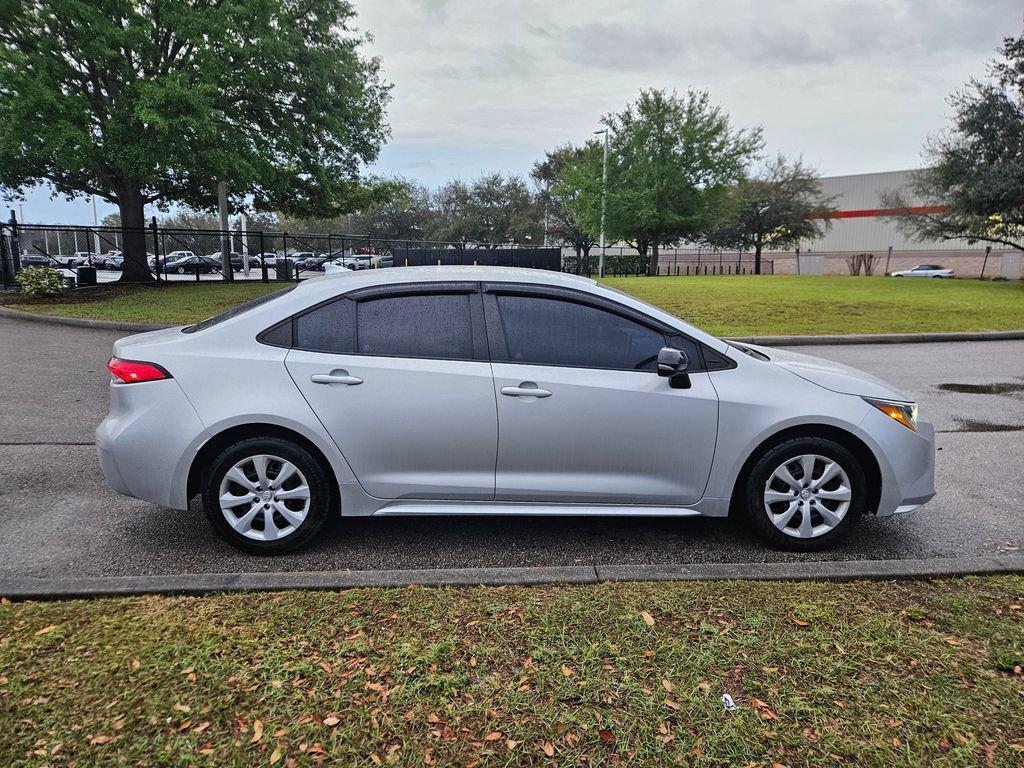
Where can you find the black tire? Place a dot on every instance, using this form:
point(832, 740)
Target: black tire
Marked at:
point(180, 270)
point(754, 486)
point(317, 479)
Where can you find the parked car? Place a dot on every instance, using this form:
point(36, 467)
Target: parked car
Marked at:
point(65, 260)
point(924, 270)
point(192, 264)
point(110, 260)
point(36, 260)
point(448, 390)
point(78, 259)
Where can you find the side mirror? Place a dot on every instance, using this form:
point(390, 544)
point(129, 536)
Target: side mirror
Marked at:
point(672, 362)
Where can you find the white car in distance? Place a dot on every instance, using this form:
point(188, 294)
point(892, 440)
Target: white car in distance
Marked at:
point(925, 270)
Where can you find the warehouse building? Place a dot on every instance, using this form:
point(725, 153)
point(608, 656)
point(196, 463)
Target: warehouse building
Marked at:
point(862, 224)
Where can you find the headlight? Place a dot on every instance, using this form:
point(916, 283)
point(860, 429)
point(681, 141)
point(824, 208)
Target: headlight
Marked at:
point(904, 413)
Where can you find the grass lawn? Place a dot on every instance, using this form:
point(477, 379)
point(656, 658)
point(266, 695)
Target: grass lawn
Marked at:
point(791, 305)
point(725, 306)
point(865, 673)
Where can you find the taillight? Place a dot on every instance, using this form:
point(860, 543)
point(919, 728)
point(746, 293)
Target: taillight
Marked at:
point(134, 371)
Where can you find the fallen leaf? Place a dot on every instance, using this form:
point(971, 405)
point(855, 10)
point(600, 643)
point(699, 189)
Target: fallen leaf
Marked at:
point(648, 619)
point(671, 703)
point(331, 720)
point(182, 708)
point(257, 731)
point(549, 748)
point(201, 727)
point(493, 736)
point(511, 744)
point(606, 736)
point(44, 630)
point(276, 755)
point(668, 685)
point(801, 622)
point(136, 663)
point(101, 739)
point(567, 671)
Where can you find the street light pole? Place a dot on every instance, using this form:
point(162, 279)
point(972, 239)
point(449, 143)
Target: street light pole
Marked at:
point(604, 197)
point(95, 224)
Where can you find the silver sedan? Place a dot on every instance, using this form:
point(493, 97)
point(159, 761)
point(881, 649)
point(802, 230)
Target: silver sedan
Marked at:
point(492, 391)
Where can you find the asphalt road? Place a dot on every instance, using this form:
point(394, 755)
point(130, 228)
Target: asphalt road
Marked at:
point(58, 518)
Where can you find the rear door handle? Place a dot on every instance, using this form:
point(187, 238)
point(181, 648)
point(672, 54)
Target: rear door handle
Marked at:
point(524, 391)
point(341, 377)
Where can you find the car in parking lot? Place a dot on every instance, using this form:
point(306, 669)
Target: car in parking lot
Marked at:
point(36, 260)
point(925, 270)
point(192, 264)
point(496, 391)
point(109, 260)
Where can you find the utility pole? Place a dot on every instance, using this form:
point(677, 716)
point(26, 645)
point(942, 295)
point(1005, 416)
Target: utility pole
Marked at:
point(604, 197)
point(245, 245)
point(225, 236)
point(95, 224)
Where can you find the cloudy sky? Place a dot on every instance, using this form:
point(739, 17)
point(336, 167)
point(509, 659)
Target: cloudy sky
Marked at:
point(479, 86)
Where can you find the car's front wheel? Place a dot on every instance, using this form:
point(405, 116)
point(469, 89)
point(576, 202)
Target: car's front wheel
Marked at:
point(805, 494)
point(266, 495)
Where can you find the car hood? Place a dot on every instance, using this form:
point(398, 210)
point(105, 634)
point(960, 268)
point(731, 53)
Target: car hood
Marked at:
point(834, 376)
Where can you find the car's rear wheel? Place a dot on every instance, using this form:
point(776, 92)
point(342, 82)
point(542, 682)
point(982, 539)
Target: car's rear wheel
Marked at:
point(805, 494)
point(266, 495)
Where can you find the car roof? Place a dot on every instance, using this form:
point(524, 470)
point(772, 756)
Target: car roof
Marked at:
point(444, 273)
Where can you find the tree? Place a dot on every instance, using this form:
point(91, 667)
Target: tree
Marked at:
point(777, 208)
point(406, 214)
point(671, 163)
point(156, 101)
point(973, 187)
point(494, 209)
point(560, 177)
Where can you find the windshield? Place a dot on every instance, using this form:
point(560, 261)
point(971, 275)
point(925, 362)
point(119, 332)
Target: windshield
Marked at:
point(237, 310)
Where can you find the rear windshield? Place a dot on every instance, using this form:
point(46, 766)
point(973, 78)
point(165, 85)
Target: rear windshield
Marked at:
point(237, 310)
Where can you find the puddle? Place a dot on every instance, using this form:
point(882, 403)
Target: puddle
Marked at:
point(1000, 388)
point(970, 425)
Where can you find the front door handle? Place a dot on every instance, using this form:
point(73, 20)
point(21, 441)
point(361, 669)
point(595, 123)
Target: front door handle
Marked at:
point(335, 377)
point(526, 389)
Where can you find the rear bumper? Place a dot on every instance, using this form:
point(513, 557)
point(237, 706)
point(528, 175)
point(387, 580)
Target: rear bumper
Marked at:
point(144, 444)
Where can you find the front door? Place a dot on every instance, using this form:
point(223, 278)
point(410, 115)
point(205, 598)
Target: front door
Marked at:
point(583, 415)
point(400, 380)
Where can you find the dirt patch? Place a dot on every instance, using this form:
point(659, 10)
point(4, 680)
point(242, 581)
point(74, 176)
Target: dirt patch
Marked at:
point(1000, 388)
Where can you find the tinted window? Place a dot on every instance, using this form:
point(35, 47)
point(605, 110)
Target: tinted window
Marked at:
point(328, 328)
point(555, 332)
point(434, 325)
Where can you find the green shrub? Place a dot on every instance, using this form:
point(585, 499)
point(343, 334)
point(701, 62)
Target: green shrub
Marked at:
point(41, 281)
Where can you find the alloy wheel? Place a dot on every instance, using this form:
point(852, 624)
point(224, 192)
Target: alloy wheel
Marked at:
point(264, 497)
point(807, 496)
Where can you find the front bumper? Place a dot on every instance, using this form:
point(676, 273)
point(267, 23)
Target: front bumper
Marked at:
point(906, 462)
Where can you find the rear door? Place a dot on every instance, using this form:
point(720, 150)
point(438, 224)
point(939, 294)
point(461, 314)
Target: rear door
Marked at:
point(399, 377)
point(583, 415)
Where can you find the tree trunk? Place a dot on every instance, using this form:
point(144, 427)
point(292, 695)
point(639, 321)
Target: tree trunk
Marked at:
point(585, 261)
point(652, 267)
point(131, 206)
point(757, 258)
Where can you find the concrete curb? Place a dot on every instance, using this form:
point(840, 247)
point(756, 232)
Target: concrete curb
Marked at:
point(24, 588)
point(879, 338)
point(766, 341)
point(79, 322)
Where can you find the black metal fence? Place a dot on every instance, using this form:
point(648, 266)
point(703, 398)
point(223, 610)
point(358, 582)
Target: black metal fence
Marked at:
point(176, 255)
point(626, 262)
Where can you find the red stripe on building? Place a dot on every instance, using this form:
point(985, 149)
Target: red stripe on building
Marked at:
point(867, 213)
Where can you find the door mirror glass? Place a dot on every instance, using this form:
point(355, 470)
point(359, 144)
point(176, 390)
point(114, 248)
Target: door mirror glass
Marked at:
point(672, 362)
